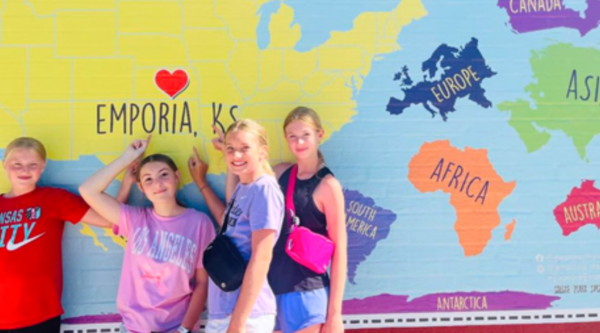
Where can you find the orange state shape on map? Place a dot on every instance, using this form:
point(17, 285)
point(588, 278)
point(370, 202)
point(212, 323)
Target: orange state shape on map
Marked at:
point(476, 190)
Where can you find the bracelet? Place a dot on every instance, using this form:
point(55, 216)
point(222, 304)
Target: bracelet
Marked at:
point(203, 187)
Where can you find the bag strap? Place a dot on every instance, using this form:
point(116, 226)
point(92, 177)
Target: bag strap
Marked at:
point(229, 208)
point(226, 219)
point(289, 197)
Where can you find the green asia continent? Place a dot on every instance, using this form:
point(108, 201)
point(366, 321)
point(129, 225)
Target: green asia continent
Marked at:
point(565, 97)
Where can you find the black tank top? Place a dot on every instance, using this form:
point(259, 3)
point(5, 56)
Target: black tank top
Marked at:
point(286, 275)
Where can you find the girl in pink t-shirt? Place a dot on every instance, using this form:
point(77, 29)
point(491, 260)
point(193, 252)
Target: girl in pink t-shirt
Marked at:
point(163, 284)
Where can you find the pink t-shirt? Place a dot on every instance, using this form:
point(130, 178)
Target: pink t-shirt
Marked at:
point(161, 258)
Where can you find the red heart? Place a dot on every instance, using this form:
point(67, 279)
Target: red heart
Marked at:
point(172, 84)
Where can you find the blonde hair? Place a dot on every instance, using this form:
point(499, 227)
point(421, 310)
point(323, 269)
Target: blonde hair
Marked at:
point(307, 116)
point(29, 143)
point(252, 127)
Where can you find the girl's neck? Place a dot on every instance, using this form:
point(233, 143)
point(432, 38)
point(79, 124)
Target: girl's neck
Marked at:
point(252, 177)
point(16, 191)
point(308, 167)
point(168, 209)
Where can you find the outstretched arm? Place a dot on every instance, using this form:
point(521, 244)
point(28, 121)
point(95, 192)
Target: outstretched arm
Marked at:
point(92, 190)
point(91, 217)
point(231, 180)
point(198, 169)
point(127, 183)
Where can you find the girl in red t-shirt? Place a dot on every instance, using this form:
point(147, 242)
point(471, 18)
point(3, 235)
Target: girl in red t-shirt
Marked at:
point(31, 227)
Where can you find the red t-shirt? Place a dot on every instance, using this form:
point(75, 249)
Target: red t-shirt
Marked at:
point(31, 229)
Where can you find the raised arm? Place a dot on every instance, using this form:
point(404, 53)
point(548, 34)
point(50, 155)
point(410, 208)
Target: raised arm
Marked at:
point(95, 219)
point(127, 183)
point(198, 169)
point(92, 190)
point(231, 180)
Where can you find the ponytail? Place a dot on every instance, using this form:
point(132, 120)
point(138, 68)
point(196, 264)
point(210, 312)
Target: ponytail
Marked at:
point(321, 157)
point(267, 167)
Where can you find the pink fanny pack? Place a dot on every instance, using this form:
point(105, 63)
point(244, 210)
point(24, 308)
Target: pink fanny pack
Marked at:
point(309, 249)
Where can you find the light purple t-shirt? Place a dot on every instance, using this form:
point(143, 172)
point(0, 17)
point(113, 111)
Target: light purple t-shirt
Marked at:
point(258, 205)
point(159, 266)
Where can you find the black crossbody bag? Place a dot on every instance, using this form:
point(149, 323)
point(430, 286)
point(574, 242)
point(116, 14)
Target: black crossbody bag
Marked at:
point(223, 261)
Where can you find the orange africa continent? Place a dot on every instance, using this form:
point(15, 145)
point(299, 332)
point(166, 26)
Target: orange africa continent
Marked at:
point(476, 190)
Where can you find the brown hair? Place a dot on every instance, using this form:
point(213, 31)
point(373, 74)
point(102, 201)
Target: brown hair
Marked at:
point(251, 126)
point(159, 158)
point(156, 158)
point(308, 116)
point(29, 143)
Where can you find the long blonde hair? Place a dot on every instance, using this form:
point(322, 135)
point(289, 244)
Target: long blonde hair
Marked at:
point(309, 117)
point(252, 127)
point(29, 143)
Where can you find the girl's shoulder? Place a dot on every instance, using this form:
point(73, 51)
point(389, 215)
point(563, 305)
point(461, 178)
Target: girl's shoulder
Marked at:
point(196, 215)
point(145, 215)
point(266, 186)
point(56, 194)
point(202, 224)
point(137, 212)
point(280, 168)
point(328, 187)
point(267, 182)
point(52, 190)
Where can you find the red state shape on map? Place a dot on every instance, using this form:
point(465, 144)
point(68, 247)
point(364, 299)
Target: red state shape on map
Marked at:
point(582, 207)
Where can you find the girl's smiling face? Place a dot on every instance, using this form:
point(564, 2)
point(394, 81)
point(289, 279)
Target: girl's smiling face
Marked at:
point(158, 181)
point(243, 153)
point(24, 167)
point(303, 139)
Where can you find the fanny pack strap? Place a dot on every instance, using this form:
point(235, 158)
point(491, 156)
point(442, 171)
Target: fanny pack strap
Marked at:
point(229, 208)
point(226, 218)
point(289, 197)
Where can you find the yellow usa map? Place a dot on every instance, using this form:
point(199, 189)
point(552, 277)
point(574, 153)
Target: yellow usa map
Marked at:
point(81, 76)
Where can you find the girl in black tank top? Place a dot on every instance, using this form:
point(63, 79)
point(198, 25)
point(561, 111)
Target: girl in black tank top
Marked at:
point(307, 300)
point(285, 274)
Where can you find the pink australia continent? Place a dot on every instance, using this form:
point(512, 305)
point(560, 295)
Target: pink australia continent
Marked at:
point(582, 207)
point(556, 15)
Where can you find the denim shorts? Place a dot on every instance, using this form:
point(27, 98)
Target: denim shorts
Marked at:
point(301, 309)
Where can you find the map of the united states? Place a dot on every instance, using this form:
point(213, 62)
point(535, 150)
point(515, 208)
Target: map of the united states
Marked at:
point(83, 73)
